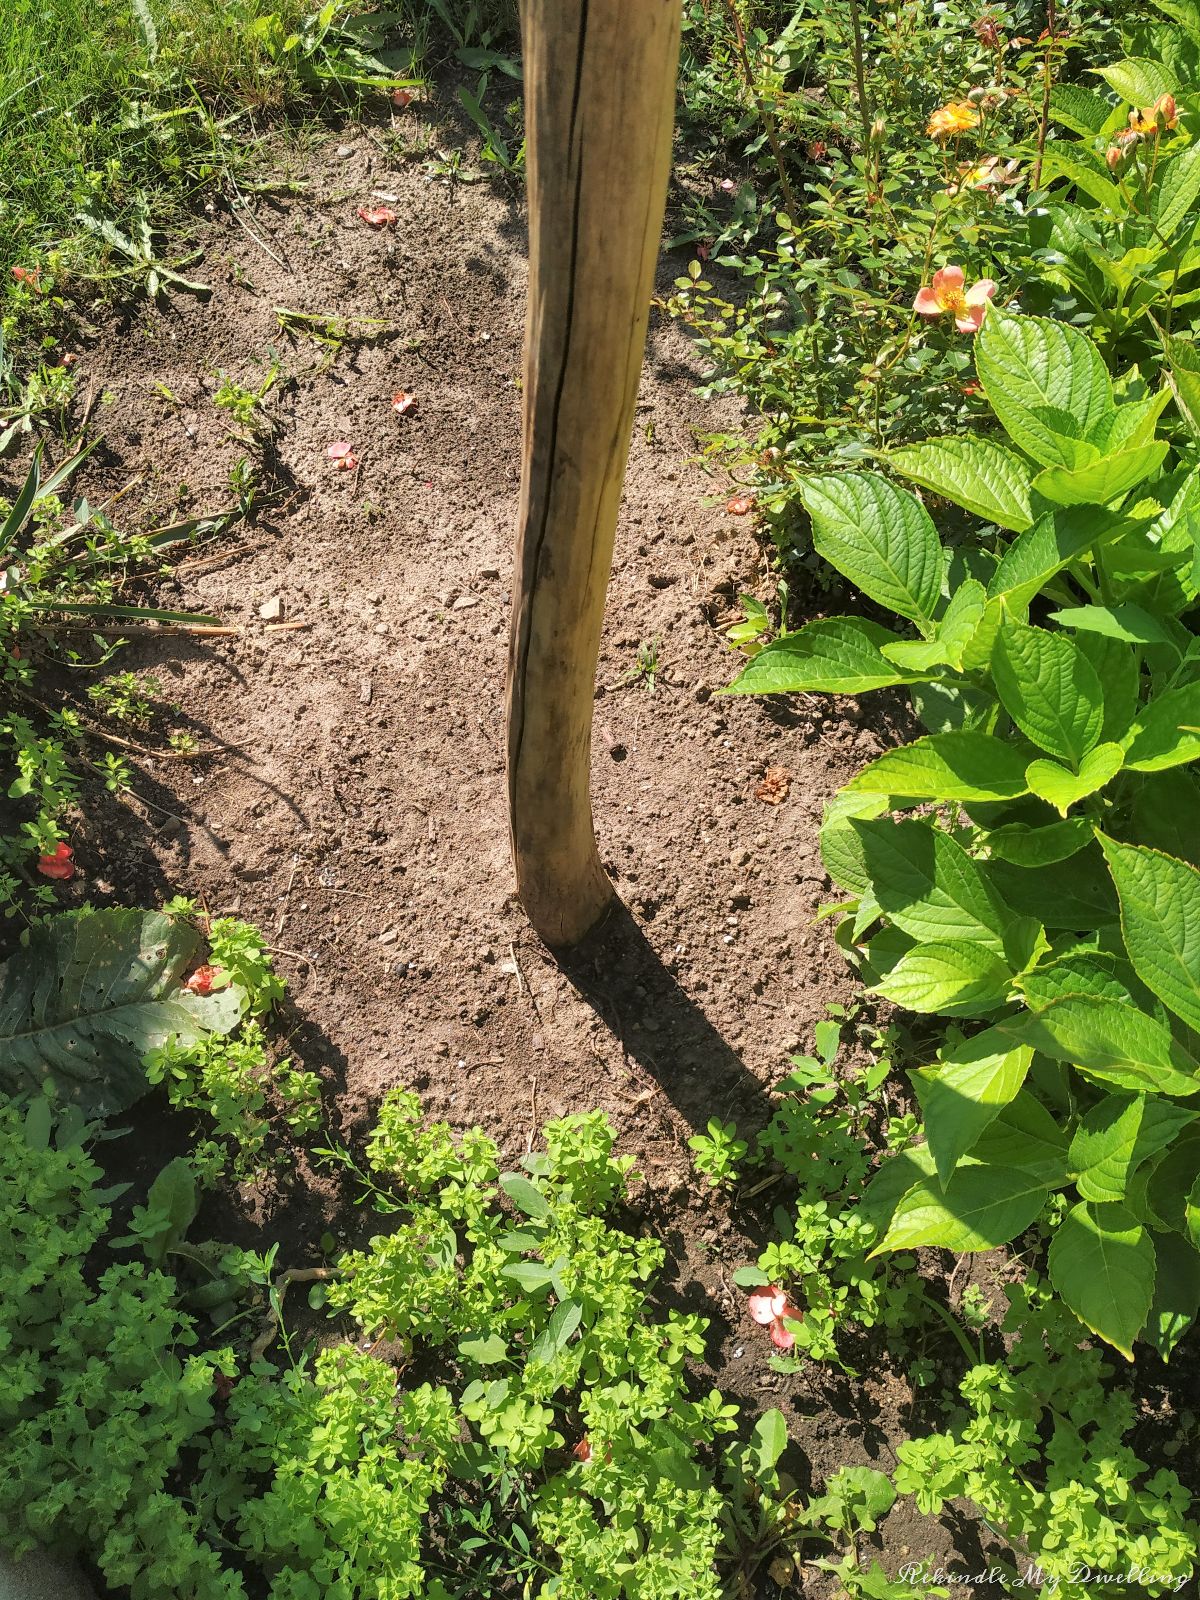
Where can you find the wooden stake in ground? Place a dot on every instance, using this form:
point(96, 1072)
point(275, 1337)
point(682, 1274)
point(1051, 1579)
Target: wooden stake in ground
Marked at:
point(599, 112)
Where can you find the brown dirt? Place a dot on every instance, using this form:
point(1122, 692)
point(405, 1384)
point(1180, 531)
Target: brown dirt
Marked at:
point(356, 808)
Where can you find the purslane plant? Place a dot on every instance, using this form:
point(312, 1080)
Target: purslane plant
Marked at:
point(1027, 869)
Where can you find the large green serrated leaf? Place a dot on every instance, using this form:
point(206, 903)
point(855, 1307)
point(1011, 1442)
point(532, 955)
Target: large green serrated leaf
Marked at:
point(956, 627)
point(1048, 687)
point(961, 765)
point(1171, 1180)
point(1079, 973)
point(1132, 423)
point(1176, 1293)
point(841, 847)
point(1125, 624)
point(981, 475)
point(1176, 190)
point(88, 993)
point(1082, 110)
point(980, 1208)
point(1165, 808)
point(1062, 788)
point(1119, 672)
point(1160, 922)
point(1102, 1263)
point(1183, 374)
point(1075, 894)
point(931, 888)
point(1138, 80)
point(879, 537)
point(1024, 1135)
point(1031, 368)
point(1054, 542)
point(963, 1094)
point(1167, 734)
point(1118, 1133)
point(1102, 482)
point(1024, 846)
point(1090, 180)
point(896, 1175)
point(836, 655)
point(951, 980)
point(1110, 1042)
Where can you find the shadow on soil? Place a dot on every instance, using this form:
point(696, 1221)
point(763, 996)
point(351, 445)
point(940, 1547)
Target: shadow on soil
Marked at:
point(660, 1028)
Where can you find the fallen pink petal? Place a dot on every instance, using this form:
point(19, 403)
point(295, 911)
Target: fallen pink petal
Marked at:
point(403, 401)
point(202, 980)
point(341, 453)
point(378, 216)
point(60, 865)
point(772, 1309)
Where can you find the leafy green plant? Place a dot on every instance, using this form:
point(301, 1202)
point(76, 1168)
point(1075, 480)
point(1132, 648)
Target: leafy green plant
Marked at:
point(1113, 248)
point(819, 1139)
point(333, 49)
point(1040, 1449)
point(718, 1152)
point(1023, 868)
point(553, 1421)
point(244, 402)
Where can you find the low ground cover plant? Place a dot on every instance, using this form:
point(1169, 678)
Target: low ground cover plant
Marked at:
point(1024, 870)
point(496, 1404)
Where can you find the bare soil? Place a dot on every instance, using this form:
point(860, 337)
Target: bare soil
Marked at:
point(353, 805)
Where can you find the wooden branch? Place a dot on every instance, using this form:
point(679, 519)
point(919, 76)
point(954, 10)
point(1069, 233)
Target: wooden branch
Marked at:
point(600, 92)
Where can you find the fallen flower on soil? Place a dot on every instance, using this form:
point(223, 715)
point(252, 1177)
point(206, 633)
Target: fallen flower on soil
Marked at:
point(59, 865)
point(771, 1307)
point(401, 98)
point(29, 275)
point(773, 789)
point(740, 505)
point(378, 216)
point(202, 980)
point(948, 293)
point(341, 453)
point(402, 401)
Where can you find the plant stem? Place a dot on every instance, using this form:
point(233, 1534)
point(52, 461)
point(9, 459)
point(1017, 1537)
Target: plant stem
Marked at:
point(1047, 82)
point(860, 79)
point(764, 110)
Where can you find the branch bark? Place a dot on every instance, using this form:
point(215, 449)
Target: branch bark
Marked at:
point(600, 90)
